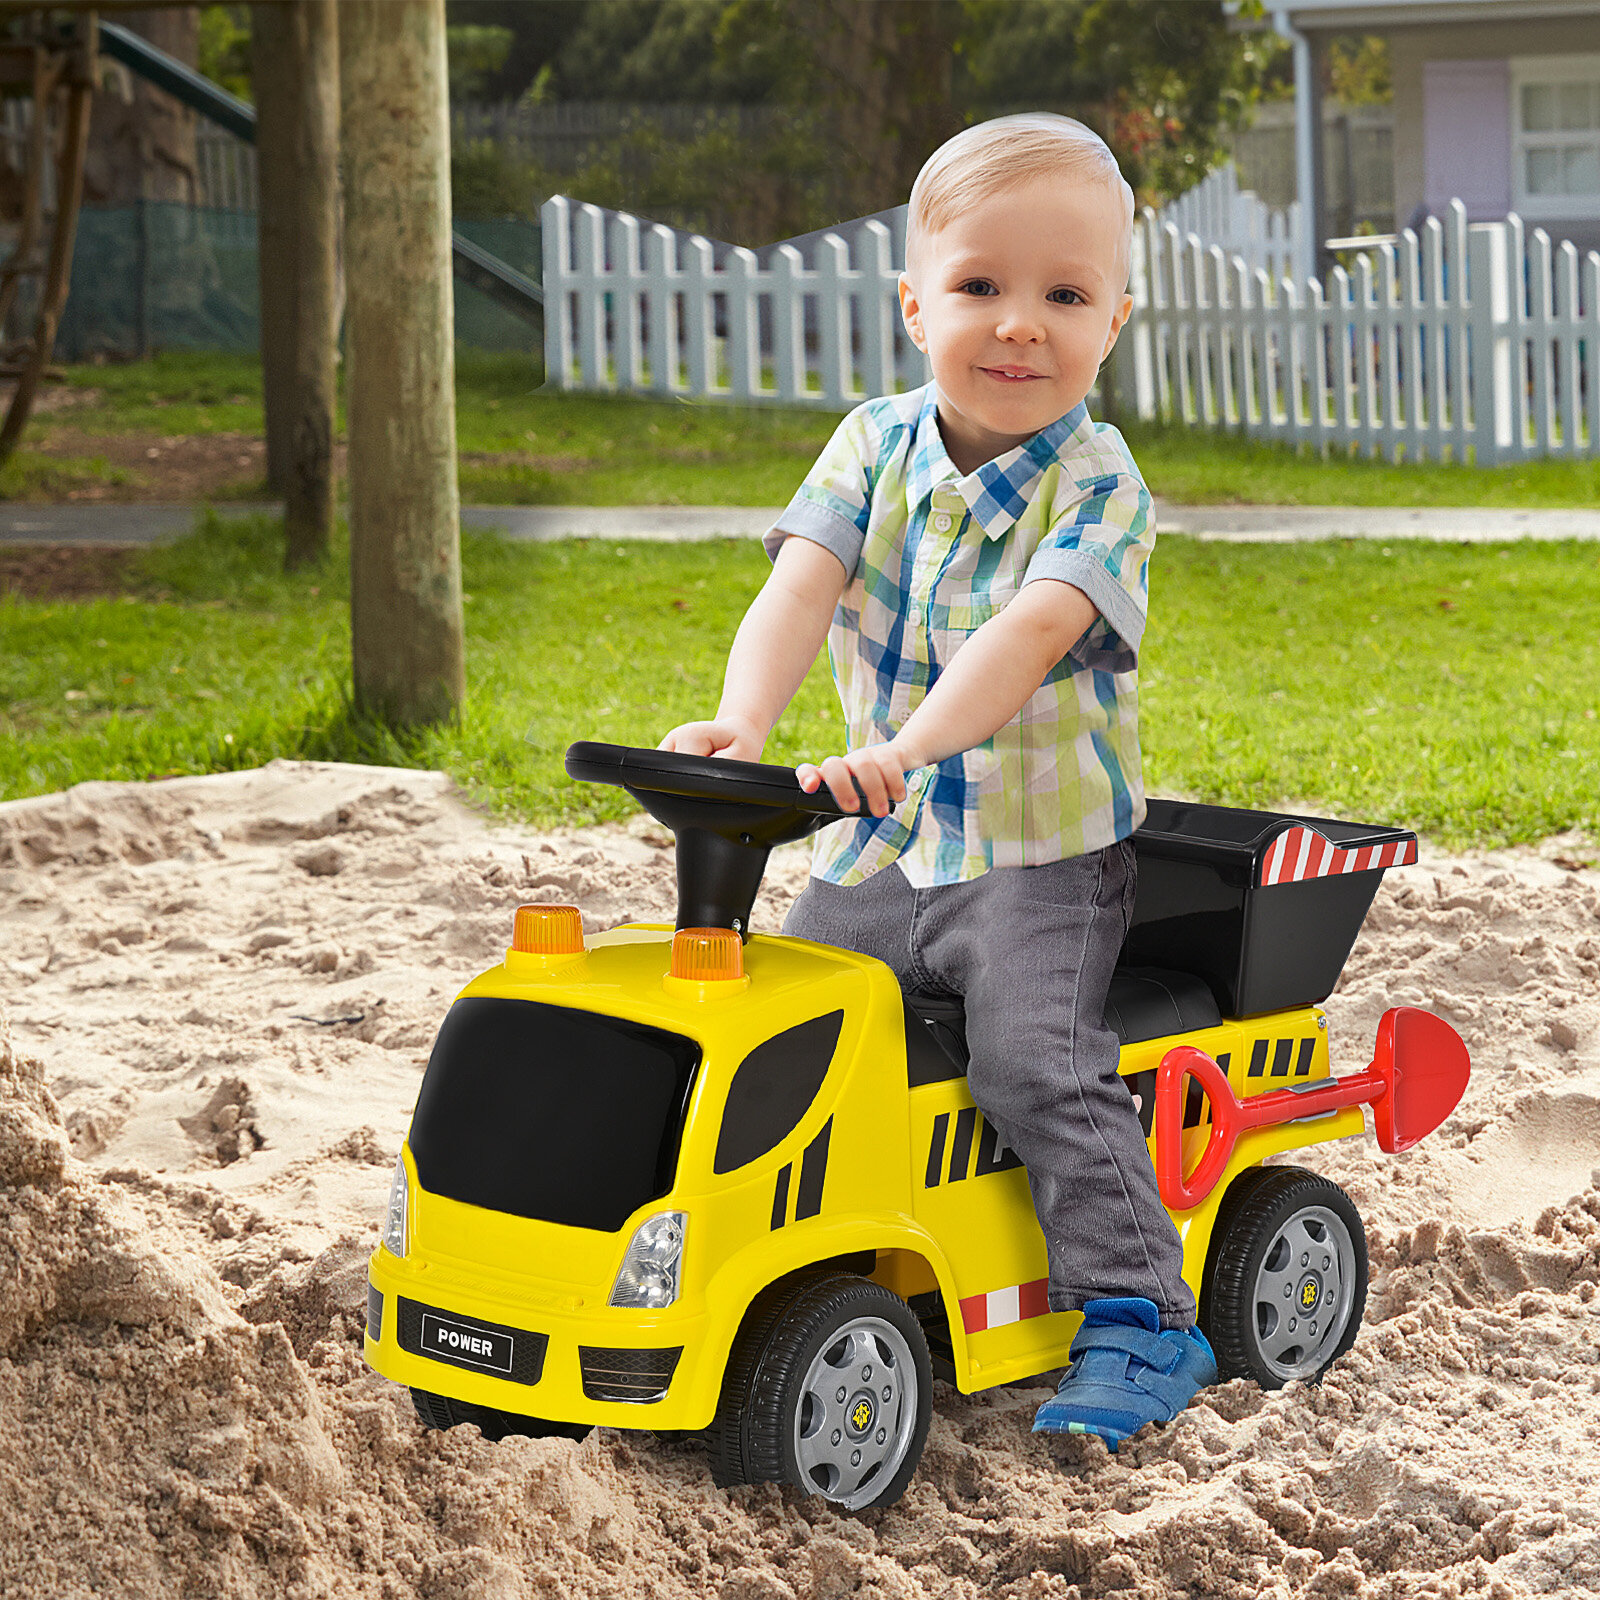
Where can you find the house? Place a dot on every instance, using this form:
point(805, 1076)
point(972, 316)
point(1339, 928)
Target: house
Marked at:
point(1496, 102)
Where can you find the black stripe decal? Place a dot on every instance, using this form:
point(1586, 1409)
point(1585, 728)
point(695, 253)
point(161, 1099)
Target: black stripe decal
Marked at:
point(1258, 1057)
point(941, 1126)
point(1224, 1059)
point(961, 1145)
point(813, 1169)
point(1194, 1104)
point(988, 1144)
point(780, 1197)
point(1282, 1054)
point(1308, 1048)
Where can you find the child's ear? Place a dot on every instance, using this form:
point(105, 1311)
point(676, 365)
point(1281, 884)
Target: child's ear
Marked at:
point(911, 314)
point(1119, 318)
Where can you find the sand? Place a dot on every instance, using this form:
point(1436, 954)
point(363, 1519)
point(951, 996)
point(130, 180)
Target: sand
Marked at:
point(221, 994)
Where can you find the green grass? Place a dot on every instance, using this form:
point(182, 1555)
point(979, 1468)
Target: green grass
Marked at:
point(1195, 468)
point(1449, 688)
point(521, 446)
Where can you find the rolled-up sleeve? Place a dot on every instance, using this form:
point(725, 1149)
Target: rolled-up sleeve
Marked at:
point(832, 506)
point(1100, 539)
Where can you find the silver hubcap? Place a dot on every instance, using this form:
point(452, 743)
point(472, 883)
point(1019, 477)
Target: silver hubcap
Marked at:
point(1304, 1292)
point(857, 1410)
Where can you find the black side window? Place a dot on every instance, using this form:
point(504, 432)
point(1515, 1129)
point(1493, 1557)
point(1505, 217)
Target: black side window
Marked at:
point(773, 1089)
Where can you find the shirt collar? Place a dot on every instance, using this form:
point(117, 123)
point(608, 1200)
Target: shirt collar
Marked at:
point(997, 493)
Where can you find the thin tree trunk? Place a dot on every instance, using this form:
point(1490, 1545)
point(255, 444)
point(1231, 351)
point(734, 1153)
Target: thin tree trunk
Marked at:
point(405, 559)
point(295, 51)
point(271, 58)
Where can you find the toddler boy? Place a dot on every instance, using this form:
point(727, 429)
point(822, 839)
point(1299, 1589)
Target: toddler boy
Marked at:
point(974, 554)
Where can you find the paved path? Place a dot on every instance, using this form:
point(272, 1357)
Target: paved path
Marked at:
point(95, 523)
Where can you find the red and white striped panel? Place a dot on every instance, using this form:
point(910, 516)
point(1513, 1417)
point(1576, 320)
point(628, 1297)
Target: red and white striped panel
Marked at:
point(980, 1312)
point(1303, 853)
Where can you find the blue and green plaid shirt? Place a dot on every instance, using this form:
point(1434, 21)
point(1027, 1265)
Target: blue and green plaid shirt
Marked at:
point(932, 556)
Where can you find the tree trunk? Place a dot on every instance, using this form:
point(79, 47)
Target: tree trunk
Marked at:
point(296, 68)
point(405, 549)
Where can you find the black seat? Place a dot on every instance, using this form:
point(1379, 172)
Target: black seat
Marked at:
point(1143, 1003)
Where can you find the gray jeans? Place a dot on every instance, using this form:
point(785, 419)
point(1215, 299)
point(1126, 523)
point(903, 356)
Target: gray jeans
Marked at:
point(1030, 950)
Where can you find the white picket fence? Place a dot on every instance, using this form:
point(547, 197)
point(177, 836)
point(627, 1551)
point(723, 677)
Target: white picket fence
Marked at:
point(1217, 210)
point(633, 305)
point(1466, 341)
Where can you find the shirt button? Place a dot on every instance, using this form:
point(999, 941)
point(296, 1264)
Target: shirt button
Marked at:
point(942, 522)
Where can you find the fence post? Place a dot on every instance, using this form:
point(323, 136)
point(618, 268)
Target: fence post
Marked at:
point(698, 277)
point(739, 274)
point(1591, 347)
point(834, 360)
point(878, 278)
point(627, 340)
point(1490, 379)
point(590, 274)
point(661, 329)
point(555, 249)
point(787, 271)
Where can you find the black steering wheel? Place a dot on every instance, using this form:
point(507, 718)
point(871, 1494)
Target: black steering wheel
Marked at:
point(727, 816)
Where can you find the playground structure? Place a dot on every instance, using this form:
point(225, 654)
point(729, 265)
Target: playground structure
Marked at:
point(56, 64)
point(53, 63)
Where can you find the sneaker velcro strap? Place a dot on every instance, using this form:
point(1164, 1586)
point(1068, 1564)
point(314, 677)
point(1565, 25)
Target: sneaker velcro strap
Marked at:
point(1152, 1349)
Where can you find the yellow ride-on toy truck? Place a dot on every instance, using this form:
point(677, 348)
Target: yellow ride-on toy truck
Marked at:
point(730, 1184)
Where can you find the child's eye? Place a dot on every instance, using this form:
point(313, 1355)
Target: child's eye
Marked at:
point(1065, 297)
point(980, 286)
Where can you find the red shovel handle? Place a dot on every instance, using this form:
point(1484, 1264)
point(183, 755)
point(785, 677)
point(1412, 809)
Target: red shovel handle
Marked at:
point(1177, 1192)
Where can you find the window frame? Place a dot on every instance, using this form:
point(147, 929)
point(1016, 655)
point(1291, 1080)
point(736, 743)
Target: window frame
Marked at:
point(1552, 71)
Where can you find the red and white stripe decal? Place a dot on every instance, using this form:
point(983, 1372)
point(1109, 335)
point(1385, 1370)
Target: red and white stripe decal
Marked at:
point(980, 1312)
point(1303, 853)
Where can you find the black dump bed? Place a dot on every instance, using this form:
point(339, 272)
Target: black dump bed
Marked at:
point(1264, 906)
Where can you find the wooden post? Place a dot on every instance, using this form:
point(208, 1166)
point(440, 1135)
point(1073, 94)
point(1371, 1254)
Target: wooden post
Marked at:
point(405, 561)
point(296, 64)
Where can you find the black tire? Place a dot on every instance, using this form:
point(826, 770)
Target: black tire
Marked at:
point(439, 1411)
point(775, 1423)
point(1286, 1277)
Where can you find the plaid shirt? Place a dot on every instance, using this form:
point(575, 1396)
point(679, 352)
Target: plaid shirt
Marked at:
point(931, 557)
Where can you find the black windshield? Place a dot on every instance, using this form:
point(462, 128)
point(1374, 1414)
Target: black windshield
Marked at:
point(543, 1112)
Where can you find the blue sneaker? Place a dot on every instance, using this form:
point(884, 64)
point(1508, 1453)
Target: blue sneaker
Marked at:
point(1126, 1372)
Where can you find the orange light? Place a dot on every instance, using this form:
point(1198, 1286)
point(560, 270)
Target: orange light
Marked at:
point(706, 955)
point(548, 931)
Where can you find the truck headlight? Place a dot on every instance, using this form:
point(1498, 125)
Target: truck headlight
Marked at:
point(394, 1219)
point(649, 1276)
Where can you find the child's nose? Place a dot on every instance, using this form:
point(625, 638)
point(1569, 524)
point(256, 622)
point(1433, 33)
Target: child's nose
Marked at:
point(1018, 326)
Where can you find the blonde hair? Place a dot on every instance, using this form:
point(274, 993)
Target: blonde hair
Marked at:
point(1006, 153)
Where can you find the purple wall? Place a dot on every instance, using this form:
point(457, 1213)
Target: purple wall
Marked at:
point(1466, 132)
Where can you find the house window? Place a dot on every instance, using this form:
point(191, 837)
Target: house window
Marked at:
point(1555, 135)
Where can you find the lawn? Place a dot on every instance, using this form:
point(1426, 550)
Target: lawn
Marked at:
point(522, 446)
point(1449, 688)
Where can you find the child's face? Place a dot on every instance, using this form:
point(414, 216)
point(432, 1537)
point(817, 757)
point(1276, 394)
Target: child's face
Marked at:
point(1016, 302)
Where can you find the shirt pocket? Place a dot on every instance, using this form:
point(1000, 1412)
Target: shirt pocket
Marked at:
point(969, 591)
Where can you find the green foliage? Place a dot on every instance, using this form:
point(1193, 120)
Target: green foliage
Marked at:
point(475, 54)
point(653, 51)
point(224, 54)
point(1160, 80)
point(869, 89)
point(1358, 71)
point(488, 180)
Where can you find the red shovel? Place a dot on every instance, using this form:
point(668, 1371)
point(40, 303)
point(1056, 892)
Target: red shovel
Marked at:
point(1418, 1074)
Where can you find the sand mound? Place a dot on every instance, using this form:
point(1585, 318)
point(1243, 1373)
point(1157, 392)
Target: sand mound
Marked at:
point(222, 992)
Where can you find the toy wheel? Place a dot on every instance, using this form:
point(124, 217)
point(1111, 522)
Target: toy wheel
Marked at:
point(1286, 1281)
point(439, 1411)
point(829, 1388)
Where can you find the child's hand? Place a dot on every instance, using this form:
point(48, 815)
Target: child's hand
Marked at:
point(732, 737)
point(877, 769)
